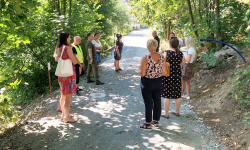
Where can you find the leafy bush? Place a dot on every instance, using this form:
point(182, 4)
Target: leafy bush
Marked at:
point(210, 60)
point(241, 86)
point(29, 34)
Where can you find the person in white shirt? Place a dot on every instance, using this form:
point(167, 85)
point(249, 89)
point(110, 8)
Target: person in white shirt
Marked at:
point(187, 68)
point(98, 47)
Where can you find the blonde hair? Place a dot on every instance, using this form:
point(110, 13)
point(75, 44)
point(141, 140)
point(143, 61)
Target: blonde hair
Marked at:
point(152, 45)
point(189, 41)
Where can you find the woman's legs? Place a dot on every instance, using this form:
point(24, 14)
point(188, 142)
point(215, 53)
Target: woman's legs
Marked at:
point(61, 103)
point(182, 87)
point(117, 64)
point(66, 116)
point(177, 105)
point(166, 106)
point(188, 85)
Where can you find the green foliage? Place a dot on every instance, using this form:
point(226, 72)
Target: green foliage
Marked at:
point(155, 14)
point(247, 119)
point(29, 31)
point(210, 60)
point(241, 86)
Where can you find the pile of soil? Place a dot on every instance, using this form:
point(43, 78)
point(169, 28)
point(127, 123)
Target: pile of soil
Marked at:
point(212, 100)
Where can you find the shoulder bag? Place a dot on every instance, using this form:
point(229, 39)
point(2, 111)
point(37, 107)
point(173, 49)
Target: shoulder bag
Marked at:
point(167, 65)
point(64, 67)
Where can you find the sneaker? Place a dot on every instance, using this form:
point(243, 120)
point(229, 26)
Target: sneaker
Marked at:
point(99, 82)
point(78, 89)
point(77, 93)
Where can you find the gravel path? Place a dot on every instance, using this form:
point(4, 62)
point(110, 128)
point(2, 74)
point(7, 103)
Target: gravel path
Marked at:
point(111, 122)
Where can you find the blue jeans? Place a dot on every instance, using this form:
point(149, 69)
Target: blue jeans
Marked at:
point(98, 57)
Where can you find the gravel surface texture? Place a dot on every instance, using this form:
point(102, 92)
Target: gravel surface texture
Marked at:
point(109, 115)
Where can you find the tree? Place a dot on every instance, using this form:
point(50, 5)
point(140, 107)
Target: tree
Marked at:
point(192, 19)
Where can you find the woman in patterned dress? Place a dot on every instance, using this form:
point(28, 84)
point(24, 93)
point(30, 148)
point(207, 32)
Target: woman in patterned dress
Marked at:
point(152, 67)
point(67, 84)
point(172, 84)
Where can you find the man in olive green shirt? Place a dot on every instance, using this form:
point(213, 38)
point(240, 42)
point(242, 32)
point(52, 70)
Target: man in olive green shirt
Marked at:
point(92, 60)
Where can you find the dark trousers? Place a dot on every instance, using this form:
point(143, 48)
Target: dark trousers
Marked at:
point(94, 66)
point(151, 92)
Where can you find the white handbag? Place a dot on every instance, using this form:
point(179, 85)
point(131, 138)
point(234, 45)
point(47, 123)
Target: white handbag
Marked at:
point(64, 67)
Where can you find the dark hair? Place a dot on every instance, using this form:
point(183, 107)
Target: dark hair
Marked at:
point(96, 34)
point(173, 37)
point(63, 38)
point(172, 33)
point(118, 36)
point(174, 42)
point(88, 35)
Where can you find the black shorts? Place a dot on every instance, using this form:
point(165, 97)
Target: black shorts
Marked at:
point(77, 68)
point(116, 57)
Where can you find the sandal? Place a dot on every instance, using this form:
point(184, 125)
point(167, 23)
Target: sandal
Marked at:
point(174, 113)
point(59, 109)
point(165, 116)
point(119, 69)
point(154, 123)
point(70, 121)
point(145, 126)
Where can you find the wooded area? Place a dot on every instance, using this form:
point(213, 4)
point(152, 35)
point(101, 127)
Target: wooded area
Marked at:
point(213, 19)
point(29, 34)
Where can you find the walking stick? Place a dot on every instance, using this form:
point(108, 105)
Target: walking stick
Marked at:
point(49, 80)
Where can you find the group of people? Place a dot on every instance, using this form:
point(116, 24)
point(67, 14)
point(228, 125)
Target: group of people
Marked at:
point(154, 85)
point(66, 50)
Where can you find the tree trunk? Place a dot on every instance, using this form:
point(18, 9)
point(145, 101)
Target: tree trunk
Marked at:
point(168, 28)
point(217, 21)
point(70, 5)
point(58, 7)
point(194, 5)
point(165, 29)
point(64, 7)
point(192, 19)
point(200, 9)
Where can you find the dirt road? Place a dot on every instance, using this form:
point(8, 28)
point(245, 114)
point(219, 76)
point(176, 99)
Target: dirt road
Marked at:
point(110, 121)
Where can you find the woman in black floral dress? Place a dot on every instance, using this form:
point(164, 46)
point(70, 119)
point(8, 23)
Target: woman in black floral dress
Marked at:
point(172, 84)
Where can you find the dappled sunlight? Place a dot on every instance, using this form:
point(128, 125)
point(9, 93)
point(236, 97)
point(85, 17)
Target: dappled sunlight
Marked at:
point(44, 124)
point(174, 127)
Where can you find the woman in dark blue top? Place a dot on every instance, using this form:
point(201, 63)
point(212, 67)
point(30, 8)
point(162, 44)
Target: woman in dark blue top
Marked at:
point(118, 52)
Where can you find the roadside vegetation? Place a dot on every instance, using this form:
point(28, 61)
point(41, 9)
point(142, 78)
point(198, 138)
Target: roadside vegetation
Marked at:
point(29, 34)
point(227, 21)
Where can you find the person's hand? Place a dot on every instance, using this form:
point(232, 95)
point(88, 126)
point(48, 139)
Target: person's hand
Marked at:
point(91, 60)
point(119, 55)
point(80, 68)
point(83, 65)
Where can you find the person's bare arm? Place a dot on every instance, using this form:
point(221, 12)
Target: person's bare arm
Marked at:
point(183, 60)
point(71, 55)
point(188, 59)
point(117, 50)
point(55, 55)
point(143, 66)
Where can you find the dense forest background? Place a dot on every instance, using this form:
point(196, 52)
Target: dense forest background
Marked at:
point(29, 31)
point(226, 20)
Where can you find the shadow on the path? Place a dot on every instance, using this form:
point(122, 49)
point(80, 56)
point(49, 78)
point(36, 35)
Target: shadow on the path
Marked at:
point(107, 123)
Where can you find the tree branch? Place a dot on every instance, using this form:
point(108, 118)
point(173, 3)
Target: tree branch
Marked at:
point(4, 40)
